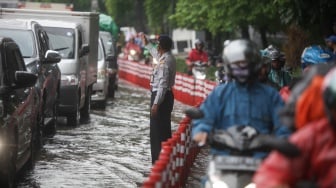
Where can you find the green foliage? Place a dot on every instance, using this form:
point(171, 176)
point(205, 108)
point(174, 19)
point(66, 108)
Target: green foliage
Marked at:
point(156, 13)
point(181, 65)
point(121, 11)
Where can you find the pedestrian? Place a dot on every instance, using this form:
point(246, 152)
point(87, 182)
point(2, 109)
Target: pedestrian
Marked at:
point(243, 101)
point(162, 97)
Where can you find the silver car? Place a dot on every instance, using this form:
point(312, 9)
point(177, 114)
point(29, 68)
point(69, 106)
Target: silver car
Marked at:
point(100, 89)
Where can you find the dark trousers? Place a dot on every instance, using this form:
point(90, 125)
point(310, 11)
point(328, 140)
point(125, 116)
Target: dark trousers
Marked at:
point(160, 125)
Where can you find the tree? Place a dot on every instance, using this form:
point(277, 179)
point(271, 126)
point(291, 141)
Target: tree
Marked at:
point(157, 15)
point(127, 13)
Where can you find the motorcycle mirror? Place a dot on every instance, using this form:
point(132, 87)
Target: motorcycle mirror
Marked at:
point(194, 113)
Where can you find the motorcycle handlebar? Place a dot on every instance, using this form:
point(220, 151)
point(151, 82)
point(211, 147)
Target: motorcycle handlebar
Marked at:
point(235, 139)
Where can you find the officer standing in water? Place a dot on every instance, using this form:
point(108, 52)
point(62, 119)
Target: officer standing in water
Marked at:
point(162, 97)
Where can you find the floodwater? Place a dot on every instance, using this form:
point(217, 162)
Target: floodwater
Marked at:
point(112, 150)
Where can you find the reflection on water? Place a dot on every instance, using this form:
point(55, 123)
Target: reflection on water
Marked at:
point(111, 151)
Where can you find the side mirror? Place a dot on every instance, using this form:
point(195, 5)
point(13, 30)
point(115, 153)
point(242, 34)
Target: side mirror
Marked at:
point(24, 79)
point(85, 49)
point(52, 56)
point(109, 57)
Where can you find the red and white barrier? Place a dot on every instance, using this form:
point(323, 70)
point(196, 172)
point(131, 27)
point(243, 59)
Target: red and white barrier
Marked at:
point(178, 153)
point(186, 89)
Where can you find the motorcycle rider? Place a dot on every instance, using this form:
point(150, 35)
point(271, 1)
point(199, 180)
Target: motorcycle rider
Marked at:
point(304, 103)
point(196, 54)
point(243, 101)
point(131, 45)
point(317, 143)
point(277, 75)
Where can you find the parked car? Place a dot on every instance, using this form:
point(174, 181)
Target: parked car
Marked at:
point(100, 88)
point(74, 34)
point(40, 60)
point(19, 113)
point(111, 51)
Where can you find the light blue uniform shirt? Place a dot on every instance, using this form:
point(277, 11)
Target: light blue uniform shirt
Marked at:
point(164, 72)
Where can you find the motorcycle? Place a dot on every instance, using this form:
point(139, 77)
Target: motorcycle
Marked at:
point(199, 70)
point(236, 169)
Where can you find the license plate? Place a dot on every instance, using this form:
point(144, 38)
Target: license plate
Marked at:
point(236, 163)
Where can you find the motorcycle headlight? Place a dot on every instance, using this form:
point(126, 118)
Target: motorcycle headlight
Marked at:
point(250, 185)
point(132, 52)
point(216, 182)
point(69, 80)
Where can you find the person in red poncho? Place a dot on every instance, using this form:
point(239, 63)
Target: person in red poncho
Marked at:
point(317, 143)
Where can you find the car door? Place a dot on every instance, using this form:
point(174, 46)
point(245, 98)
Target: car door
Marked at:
point(50, 72)
point(21, 101)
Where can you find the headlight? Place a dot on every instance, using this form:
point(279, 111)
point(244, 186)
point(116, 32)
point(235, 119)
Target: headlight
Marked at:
point(132, 52)
point(2, 110)
point(217, 182)
point(69, 80)
point(250, 185)
point(1, 145)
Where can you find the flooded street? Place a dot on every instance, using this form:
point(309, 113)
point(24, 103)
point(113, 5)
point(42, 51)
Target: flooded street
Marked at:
point(112, 150)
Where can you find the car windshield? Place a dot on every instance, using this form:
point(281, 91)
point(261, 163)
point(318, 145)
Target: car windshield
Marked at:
point(108, 44)
point(100, 52)
point(62, 40)
point(24, 39)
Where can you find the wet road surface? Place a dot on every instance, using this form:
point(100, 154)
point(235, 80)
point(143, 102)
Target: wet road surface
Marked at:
point(111, 151)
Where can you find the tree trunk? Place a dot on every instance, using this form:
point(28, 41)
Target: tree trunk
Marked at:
point(245, 32)
point(140, 16)
point(263, 37)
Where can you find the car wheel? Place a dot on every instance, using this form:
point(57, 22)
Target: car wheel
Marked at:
point(34, 142)
point(7, 179)
point(51, 129)
point(39, 130)
point(101, 104)
point(73, 118)
point(111, 88)
point(85, 111)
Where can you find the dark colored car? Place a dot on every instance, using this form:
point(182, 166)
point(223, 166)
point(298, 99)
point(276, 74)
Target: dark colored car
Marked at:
point(19, 113)
point(111, 54)
point(40, 60)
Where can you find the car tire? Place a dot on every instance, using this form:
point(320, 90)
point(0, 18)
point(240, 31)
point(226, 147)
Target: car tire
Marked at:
point(34, 144)
point(111, 88)
point(39, 130)
point(51, 128)
point(85, 111)
point(101, 104)
point(73, 118)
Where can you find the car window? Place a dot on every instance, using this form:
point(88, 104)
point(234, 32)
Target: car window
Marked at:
point(43, 38)
point(24, 39)
point(100, 51)
point(13, 62)
point(62, 40)
point(108, 44)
